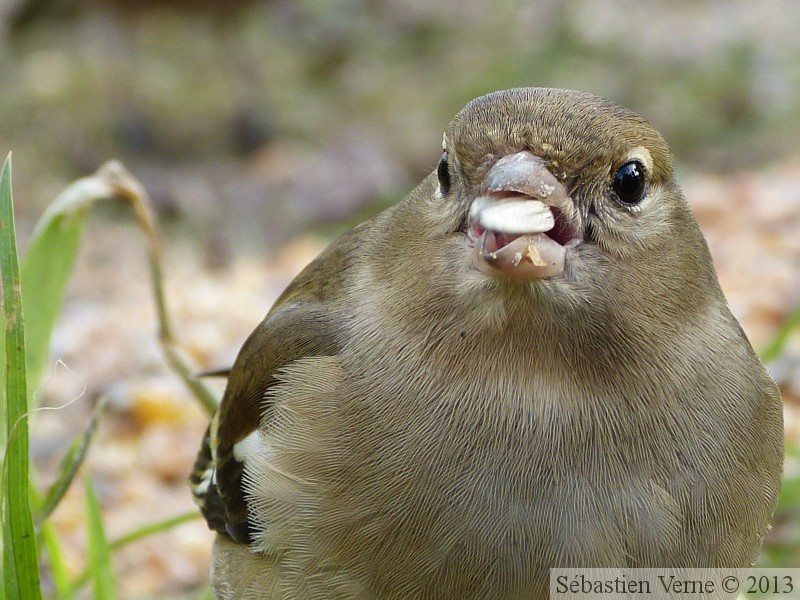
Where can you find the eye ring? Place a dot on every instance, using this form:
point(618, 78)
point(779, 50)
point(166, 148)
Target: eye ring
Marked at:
point(630, 183)
point(443, 173)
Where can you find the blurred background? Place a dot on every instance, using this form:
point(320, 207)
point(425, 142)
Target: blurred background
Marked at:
point(264, 128)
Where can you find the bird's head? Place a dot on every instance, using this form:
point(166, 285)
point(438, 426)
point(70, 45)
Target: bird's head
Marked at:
point(536, 175)
point(552, 196)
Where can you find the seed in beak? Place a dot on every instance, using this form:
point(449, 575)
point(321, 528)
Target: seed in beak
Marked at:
point(512, 216)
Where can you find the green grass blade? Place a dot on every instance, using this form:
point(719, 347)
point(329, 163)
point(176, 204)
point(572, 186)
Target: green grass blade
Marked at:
point(135, 535)
point(58, 567)
point(20, 561)
point(46, 269)
point(47, 537)
point(154, 528)
point(100, 568)
point(51, 255)
point(48, 263)
point(70, 463)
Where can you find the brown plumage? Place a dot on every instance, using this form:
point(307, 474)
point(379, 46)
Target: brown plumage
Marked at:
point(526, 363)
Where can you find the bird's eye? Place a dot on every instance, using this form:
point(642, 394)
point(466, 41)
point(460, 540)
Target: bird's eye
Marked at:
point(443, 172)
point(629, 183)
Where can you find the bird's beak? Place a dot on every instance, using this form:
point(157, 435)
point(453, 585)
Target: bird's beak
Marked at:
point(523, 220)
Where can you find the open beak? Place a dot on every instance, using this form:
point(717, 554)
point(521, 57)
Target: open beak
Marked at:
point(523, 221)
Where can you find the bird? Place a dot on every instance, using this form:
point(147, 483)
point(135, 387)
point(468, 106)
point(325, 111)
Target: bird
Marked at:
point(527, 363)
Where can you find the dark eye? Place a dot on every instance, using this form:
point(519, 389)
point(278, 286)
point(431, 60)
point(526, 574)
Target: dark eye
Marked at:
point(629, 183)
point(443, 172)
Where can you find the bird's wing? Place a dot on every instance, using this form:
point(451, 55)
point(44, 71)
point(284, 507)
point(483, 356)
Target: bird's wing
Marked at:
point(302, 323)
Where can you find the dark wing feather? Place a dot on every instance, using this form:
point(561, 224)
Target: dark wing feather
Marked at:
point(293, 332)
point(303, 322)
